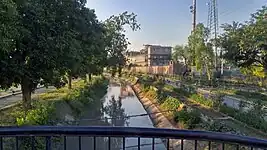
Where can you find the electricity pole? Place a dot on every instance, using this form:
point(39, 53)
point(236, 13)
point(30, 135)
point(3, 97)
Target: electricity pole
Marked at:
point(193, 10)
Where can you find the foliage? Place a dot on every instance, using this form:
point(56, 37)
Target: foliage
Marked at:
point(170, 103)
point(51, 42)
point(245, 43)
point(188, 118)
point(43, 110)
point(201, 52)
point(180, 52)
point(252, 95)
point(116, 40)
point(257, 122)
point(202, 100)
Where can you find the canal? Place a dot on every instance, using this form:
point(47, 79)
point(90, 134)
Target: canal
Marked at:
point(118, 107)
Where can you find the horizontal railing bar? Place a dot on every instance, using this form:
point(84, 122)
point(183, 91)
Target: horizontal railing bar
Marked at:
point(130, 132)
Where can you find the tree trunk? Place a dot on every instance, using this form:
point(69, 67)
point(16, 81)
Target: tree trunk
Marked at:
point(26, 92)
point(69, 81)
point(90, 77)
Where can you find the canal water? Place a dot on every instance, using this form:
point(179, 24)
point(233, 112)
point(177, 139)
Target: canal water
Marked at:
point(112, 110)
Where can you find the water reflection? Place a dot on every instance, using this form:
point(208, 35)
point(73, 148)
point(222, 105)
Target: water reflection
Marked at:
point(119, 102)
point(115, 111)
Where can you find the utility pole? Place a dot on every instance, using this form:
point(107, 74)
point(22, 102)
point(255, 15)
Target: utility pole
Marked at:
point(193, 10)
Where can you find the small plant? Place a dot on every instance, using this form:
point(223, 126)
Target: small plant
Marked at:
point(188, 118)
point(202, 100)
point(171, 104)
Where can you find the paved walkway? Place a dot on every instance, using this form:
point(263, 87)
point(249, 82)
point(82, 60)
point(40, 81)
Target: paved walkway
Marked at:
point(4, 102)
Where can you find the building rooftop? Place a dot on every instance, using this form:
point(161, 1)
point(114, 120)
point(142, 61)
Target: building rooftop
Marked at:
point(157, 45)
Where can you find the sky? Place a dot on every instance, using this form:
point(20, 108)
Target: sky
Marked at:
point(169, 22)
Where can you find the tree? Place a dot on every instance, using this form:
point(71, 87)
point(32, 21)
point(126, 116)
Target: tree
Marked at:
point(53, 38)
point(181, 52)
point(116, 41)
point(245, 44)
point(200, 51)
point(8, 18)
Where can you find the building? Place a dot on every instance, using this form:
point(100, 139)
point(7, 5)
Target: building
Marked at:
point(151, 55)
point(136, 58)
point(158, 55)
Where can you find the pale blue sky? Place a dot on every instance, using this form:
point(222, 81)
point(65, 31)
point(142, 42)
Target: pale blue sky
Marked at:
point(168, 22)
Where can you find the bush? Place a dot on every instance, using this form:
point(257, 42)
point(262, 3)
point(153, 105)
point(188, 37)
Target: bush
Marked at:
point(152, 94)
point(182, 92)
point(202, 100)
point(188, 118)
point(161, 96)
point(250, 118)
point(171, 104)
point(252, 95)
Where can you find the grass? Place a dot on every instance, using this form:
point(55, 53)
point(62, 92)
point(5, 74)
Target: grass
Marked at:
point(45, 109)
point(44, 104)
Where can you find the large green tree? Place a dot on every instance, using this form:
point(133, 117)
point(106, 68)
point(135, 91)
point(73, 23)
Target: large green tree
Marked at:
point(245, 44)
point(181, 52)
point(116, 40)
point(200, 50)
point(8, 18)
point(53, 38)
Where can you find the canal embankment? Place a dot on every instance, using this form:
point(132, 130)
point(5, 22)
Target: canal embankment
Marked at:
point(210, 119)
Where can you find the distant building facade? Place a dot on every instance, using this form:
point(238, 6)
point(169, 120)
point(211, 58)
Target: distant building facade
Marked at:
point(136, 58)
point(151, 55)
point(158, 55)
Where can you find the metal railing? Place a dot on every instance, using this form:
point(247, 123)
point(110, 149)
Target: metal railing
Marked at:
point(77, 137)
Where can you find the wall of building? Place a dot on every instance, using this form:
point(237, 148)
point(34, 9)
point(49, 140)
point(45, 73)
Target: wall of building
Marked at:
point(172, 68)
point(158, 55)
point(139, 60)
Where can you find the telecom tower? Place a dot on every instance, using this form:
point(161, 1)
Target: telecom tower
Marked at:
point(213, 26)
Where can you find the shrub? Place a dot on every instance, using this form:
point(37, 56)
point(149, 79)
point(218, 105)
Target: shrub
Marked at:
point(151, 94)
point(171, 104)
point(161, 96)
point(252, 95)
point(188, 118)
point(202, 100)
point(228, 110)
point(250, 118)
point(182, 92)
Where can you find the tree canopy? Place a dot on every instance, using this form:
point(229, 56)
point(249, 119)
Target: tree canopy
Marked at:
point(200, 50)
point(245, 44)
point(48, 42)
point(181, 52)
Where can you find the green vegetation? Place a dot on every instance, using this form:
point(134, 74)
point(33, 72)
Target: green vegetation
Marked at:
point(251, 118)
point(201, 100)
point(167, 99)
point(43, 111)
point(46, 110)
point(39, 47)
point(187, 119)
point(171, 103)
